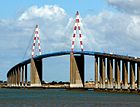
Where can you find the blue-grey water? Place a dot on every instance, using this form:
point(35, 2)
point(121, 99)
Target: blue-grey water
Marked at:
point(65, 98)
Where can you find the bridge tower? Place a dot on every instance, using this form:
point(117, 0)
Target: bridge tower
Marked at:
point(76, 62)
point(36, 65)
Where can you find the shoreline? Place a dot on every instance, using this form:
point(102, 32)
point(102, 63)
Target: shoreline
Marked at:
point(127, 91)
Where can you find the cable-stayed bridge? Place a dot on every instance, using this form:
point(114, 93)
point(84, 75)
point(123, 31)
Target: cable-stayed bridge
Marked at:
point(110, 70)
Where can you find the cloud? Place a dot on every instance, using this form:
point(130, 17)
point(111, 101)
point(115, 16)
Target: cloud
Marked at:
point(113, 32)
point(129, 6)
point(106, 31)
point(51, 12)
point(52, 21)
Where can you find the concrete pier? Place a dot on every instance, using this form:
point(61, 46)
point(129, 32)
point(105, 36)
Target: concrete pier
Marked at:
point(138, 76)
point(36, 72)
point(132, 75)
point(18, 76)
point(76, 71)
point(110, 72)
point(96, 71)
point(26, 81)
point(117, 74)
point(22, 76)
point(14, 78)
point(10, 79)
point(125, 74)
point(102, 72)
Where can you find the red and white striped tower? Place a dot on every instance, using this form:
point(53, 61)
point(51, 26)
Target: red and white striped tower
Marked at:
point(77, 26)
point(36, 36)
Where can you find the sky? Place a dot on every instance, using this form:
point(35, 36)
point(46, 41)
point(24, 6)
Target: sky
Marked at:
point(107, 26)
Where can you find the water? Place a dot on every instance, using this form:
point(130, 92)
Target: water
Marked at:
point(65, 98)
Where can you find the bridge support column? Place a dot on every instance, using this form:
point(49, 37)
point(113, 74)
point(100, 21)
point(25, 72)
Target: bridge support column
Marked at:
point(36, 72)
point(18, 76)
point(117, 74)
point(96, 71)
point(22, 76)
point(76, 71)
point(125, 74)
point(14, 77)
point(132, 75)
point(9, 79)
point(110, 72)
point(26, 82)
point(138, 76)
point(102, 72)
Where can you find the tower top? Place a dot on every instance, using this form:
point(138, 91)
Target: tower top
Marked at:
point(36, 26)
point(75, 28)
point(36, 36)
point(77, 13)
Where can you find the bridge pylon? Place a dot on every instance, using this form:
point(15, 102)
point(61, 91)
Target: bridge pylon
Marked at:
point(36, 37)
point(36, 72)
point(76, 62)
point(76, 71)
point(36, 65)
point(75, 28)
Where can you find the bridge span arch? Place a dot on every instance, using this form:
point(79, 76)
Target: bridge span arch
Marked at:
point(106, 65)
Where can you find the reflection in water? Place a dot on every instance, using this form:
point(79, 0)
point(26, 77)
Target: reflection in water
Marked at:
point(65, 98)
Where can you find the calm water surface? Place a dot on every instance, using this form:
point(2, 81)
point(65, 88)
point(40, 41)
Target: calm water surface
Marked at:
point(65, 98)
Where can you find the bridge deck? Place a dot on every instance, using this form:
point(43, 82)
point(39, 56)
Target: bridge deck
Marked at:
point(90, 53)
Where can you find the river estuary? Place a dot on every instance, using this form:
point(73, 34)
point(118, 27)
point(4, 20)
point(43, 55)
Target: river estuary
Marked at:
point(65, 98)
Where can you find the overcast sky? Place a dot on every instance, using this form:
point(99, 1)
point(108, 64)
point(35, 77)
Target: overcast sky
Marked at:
point(107, 26)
